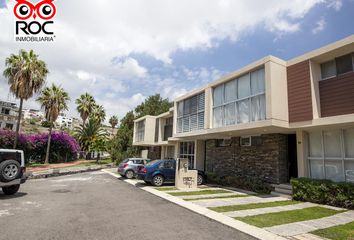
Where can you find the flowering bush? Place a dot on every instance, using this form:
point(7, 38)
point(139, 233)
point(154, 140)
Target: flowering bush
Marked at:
point(63, 147)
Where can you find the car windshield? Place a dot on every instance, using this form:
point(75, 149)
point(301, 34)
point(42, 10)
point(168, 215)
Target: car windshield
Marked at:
point(125, 160)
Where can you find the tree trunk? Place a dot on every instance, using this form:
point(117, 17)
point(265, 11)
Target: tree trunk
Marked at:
point(18, 123)
point(48, 144)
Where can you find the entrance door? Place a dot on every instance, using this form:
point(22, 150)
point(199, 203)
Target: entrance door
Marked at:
point(292, 156)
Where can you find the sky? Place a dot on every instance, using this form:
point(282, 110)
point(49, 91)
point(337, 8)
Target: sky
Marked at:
point(122, 51)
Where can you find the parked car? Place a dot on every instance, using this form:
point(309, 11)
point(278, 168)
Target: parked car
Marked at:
point(129, 167)
point(163, 171)
point(12, 170)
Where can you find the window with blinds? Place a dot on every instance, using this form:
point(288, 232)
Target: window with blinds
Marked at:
point(140, 131)
point(190, 113)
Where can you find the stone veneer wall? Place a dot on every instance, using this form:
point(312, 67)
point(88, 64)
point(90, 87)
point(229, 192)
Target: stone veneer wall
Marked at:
point(267, 158)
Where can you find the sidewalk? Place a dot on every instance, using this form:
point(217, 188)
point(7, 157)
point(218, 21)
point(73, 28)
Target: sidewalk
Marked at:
point(219, 207)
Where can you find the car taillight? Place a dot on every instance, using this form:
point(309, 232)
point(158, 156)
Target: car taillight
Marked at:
point(125, 165)
point(143, 170)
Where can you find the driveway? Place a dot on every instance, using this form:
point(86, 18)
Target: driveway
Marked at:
point(98, 206)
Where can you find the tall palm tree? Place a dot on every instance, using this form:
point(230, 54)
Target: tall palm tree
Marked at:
point(26, 75)
point(85, 104)
point(113, 121)
point(54, 100)
point(98, 113)
point(89, 134)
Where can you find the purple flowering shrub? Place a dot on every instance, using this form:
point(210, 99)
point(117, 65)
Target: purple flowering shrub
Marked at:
point(63, 147)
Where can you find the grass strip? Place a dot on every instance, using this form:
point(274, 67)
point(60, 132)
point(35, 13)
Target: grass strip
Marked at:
point(252, 206)
point(206, 198)
point(341, 232)
point(202, 192)
point(165, 188)
point(279, 218)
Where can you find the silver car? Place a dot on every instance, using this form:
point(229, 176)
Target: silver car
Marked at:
point(129, 167)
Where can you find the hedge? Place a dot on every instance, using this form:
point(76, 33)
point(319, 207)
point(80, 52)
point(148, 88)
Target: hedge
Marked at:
point(324, 192)
point(243, 182)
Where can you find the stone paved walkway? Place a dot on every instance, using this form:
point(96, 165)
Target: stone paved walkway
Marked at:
point(237, 201)
point(297, 228)
point(212, 195)
point(257, 211)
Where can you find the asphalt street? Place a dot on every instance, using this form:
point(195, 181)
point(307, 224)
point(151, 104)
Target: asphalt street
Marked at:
point(98, 206)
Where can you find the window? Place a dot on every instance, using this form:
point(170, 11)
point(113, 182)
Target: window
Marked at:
point(9, 126)
point(241, 100)
point(5, 111)
point(338, 66)
point(140, 131)
point(168, 165)
point(186, 150)
point(223, 142)
point(190, 113)
point(331, 155)
point(245, 141)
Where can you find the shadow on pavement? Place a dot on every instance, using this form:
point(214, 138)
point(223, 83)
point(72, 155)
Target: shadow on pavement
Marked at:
point(17, 195)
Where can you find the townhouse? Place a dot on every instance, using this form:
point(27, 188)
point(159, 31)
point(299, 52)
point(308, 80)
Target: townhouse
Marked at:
point(8, 115)
point(272, 119)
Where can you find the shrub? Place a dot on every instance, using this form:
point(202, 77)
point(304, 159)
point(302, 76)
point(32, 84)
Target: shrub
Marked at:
point(324, 192)
point(63, 147)
point(243, 182)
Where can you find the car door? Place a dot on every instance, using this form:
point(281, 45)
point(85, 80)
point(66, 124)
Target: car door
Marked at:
point(169, 170)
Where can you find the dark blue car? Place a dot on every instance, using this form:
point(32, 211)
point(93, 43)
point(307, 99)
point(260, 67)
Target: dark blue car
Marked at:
point(159, 172)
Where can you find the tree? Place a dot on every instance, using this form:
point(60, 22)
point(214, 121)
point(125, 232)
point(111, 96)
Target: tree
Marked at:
point(153, 105)
point(88, 133)
point(98, 113)
point(85, 104)
point(113, 121)
point(26, 75)
point(54, 100)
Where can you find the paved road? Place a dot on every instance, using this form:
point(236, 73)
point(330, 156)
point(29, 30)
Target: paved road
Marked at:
point(98, 206)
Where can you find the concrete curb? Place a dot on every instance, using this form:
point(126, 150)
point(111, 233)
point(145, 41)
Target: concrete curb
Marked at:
point(65, 171)
point(228, 221)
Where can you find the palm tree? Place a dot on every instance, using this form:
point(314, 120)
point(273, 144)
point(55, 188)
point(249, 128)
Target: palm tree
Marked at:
point(113, 121)
point(26, 75)
point(88, 134)
point(98, 113)
point(85, 104)
point(54, 100)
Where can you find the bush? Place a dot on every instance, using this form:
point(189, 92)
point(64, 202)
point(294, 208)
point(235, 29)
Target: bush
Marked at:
point(63, 147)
point(324, 192)
point(243, 182)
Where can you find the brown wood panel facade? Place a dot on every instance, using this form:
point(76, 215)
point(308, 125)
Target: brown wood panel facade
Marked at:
point(299, 92)
point(337, 95)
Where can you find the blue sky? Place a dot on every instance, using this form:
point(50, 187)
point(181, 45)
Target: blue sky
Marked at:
point(123, 51)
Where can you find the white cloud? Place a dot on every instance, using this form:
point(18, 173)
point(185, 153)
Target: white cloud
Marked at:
point(335, 4)
point(90, 35)
point(320, 26)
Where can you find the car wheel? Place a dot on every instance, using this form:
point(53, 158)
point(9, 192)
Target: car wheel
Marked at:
point(200, 179)
point(129, 174)
point(9, 170)
point(11, 190)
point(157, 180)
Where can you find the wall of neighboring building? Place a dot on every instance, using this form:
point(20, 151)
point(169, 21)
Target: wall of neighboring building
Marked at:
point(266, 160)
point(299, 92)
point(336, 95)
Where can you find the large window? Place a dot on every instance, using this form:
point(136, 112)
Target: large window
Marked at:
point(241, 100)
point(186, 150)
point(190, 114)
point(331, 155)
point(140, 131)
point(337, 66)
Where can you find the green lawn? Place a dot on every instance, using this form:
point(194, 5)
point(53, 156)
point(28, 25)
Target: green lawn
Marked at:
point(252, 206)
point(202, 192)
point(165, 188)
point(278, 218)
point(341, 232)
point(204, 198)
point(101, 162)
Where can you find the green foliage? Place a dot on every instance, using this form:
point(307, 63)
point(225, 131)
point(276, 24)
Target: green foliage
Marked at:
point(242, 182)
point(153, 105)
point(46, 124)
point(85, 104)
point(324, 192)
